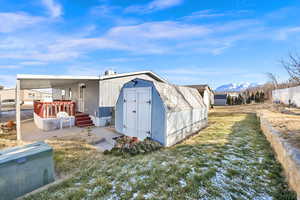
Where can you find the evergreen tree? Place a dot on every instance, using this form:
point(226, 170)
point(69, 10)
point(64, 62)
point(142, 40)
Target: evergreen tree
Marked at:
point(262, 97)
point(235, 101)
point(248, 100)
point(240, 99)
point(252, 98)
point(229, 100)
point(257, 97)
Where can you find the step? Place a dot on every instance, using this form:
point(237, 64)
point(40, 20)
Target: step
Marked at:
point(85, 125)
point(81, 115)
point(84, 121)
point(82, 118)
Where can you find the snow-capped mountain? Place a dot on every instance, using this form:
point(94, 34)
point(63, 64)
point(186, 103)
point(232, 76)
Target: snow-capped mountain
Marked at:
point(236, 87)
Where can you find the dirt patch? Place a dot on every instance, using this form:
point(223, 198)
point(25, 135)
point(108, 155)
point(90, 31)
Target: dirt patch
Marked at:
point(287, 124)
point(287, 154)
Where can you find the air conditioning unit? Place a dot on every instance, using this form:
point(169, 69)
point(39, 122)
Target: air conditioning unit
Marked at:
point(109, 72)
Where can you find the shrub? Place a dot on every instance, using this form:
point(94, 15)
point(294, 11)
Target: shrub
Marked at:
point(132, 146)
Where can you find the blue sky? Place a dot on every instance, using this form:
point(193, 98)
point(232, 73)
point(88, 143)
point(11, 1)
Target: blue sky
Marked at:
point(184, 41)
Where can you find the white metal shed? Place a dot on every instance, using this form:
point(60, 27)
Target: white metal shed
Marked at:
point(164, 112)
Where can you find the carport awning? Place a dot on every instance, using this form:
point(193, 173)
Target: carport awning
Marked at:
point(25, 81)
point(45, 81)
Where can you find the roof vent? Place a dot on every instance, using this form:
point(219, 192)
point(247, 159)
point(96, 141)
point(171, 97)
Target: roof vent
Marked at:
point(109, 72)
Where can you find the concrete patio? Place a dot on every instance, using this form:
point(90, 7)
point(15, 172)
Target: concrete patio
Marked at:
point(100, 137)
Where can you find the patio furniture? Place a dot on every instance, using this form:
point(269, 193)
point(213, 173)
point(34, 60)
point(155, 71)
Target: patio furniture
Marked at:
point(64, 118)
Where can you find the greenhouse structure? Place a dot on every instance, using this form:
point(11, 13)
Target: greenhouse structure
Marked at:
point(163, 112)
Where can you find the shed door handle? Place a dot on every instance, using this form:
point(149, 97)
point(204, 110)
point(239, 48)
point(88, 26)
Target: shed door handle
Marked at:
point(134, 111)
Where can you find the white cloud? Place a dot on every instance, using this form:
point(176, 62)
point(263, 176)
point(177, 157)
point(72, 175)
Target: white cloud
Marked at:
point(9, 67)
point(209, 13)
point(163, 4)
point(203, 14)
point(145, 38)
point(202, 75)
point(125, 59)
point(54, 9)
point(8, 81)
point(32, 63)
point(153, 6)
point(113, 14)
point(11, 22)
point(157, 37)
point(180, 37)
point(159, 30)
point(284, 33)
point(104, 10)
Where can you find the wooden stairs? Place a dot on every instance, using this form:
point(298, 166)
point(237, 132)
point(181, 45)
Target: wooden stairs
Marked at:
point(83, 120)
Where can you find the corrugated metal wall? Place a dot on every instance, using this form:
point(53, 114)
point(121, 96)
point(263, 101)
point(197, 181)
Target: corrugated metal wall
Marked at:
point(110, 89)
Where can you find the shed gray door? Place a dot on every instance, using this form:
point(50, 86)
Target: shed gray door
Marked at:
point(137, 112)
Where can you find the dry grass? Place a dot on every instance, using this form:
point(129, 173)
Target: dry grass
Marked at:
point(245, 109)
point(6, 143)
point(283, 118)
point(287, 124)
point(70, 155)
point(231, 159)
point(11, 135)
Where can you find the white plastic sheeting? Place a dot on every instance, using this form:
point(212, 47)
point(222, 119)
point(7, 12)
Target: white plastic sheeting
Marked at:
point(186, 112)
point(287, 96)
point(178, 98)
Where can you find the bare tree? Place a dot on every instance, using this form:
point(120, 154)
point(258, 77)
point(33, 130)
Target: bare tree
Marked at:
point(292, 66)
point(272, 79)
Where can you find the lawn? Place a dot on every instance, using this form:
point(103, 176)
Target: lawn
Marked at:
point(69, 155)
point(231, 159)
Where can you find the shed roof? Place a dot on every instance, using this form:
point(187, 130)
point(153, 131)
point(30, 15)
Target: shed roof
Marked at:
point(149, 73)
point(178, 98)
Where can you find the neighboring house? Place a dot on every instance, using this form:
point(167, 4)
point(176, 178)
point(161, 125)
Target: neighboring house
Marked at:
point(89, 99)
point(233, 94)
point(27, 96)
point(161, 111)
point(220, 99)
point(206, 93)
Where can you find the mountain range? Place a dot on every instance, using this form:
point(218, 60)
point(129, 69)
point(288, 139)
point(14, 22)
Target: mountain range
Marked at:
point(235, 87)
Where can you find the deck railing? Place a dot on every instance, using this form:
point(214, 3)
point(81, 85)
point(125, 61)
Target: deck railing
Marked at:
point(50, 109)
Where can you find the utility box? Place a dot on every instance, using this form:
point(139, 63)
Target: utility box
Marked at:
point(24, 169)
